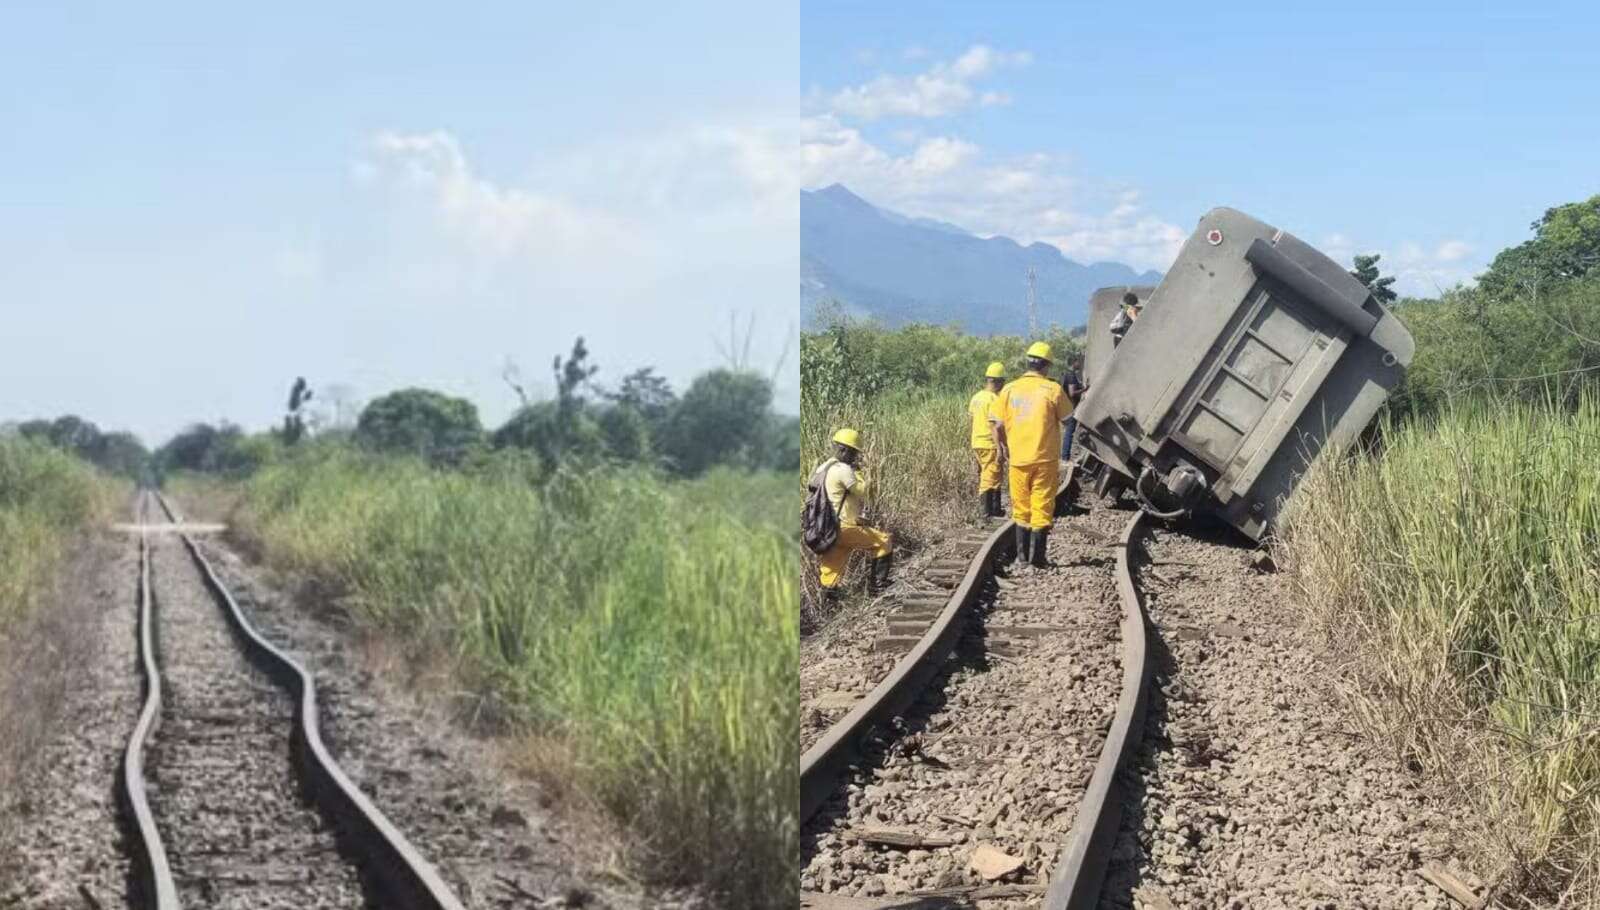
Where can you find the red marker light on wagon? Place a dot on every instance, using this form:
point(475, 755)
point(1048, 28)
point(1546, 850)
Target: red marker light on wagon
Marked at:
point(1214, 237)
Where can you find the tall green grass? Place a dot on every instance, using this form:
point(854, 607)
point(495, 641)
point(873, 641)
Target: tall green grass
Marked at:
point(1464, 563)
point(650, 626)
point(46, 496)
point(915, 450)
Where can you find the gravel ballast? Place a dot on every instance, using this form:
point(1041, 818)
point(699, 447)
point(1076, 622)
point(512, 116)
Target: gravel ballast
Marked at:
point(1250, 789)
point(72, 691)
point(991, 762)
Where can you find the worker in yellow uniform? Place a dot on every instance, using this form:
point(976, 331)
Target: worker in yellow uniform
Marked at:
point(1026, 416)
point(983, 441)
point(847, 491)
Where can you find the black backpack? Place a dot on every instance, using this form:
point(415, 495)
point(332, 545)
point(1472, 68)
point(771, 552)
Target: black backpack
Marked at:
point(819, 524)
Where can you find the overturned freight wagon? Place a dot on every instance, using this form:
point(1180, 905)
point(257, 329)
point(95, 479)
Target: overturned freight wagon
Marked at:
point(1253, 353)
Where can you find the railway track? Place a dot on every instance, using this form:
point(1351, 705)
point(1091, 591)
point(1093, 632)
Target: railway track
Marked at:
point(231, 797)
point(1011, 750)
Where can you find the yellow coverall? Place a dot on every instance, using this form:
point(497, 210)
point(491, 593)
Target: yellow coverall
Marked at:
point(847, 491)
point(983, 442)
point(1031, 409)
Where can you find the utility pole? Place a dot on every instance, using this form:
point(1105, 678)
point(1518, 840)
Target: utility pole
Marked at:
point(1033, 307)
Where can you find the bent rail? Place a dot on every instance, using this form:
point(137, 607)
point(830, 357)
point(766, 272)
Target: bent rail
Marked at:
point(394, 866)
point(1075, 884)
point(153, 874)
point(825, 762)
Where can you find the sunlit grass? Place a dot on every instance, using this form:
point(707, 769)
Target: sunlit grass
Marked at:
point(649, 625)
point(1466, 561)
point(45, 497)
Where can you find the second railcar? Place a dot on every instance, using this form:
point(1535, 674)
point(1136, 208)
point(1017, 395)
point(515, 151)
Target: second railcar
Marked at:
point(1254, 353)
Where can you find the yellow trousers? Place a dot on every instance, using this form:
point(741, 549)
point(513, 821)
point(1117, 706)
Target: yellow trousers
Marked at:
point(831, 565)
point(1033, 493)
point(988, 469)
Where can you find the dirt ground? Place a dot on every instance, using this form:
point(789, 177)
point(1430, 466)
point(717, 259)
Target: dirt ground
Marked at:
point(69, 696)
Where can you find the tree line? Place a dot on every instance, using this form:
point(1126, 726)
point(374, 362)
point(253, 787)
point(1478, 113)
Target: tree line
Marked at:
point(1529, 327)
point(724, 417)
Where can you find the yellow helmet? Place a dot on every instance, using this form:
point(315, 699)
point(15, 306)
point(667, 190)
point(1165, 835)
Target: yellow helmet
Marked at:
point(1040, 350)
point(996, 370)
point(848, 437)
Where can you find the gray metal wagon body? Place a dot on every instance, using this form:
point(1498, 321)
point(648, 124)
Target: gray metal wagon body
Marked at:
point(1254, 353)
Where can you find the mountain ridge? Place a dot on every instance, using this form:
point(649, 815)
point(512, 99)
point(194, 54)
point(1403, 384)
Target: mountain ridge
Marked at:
point(898, 269)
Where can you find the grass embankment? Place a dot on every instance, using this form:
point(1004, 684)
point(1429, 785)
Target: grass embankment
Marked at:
point(45, 497)
point(648, 627)
point(1463, 565)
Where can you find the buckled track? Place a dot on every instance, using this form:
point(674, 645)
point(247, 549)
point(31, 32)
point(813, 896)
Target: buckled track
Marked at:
point(1012, 745)
point(232, 798)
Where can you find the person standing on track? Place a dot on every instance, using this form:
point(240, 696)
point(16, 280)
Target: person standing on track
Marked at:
point(983, 441)
point(847, 491)
point(1072, 384)
point(1026, 416)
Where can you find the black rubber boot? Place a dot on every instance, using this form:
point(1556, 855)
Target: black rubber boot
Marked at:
point(994, 504)
point(1023, 538)
point(985, 509)
point(830, 599)
point(879, 579)
point(1040, 537)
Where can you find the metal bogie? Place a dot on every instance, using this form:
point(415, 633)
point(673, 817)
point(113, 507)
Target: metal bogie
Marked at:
point(1254, 353)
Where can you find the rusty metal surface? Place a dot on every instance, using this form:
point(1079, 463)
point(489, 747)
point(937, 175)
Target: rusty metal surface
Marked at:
point(153, 875)
point(1079, 874)
point(393, 865)
point(826, 761)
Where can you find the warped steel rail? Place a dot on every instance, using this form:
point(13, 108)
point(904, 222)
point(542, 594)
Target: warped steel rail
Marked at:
point(392, 866)
point(826, 761)
point(151, 871)
point(1080, 871)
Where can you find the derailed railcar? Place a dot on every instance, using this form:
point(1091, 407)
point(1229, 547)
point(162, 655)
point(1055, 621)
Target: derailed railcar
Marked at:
point(1253, 353)
point(1103, 306)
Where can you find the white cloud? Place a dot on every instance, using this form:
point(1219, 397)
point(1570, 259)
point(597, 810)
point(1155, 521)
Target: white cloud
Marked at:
point(1420, 269)
point(642, 243)
point(491, 219)
point(1034, 197)
point(944, 89)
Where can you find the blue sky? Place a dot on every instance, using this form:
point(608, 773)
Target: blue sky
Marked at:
point(200, 201)
point(1432, 133)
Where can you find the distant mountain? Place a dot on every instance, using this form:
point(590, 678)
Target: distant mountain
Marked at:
point(898, 269)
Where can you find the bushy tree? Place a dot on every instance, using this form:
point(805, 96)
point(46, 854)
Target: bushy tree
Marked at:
point(624, 432)
point(1565, 247)
point(123, 454)
point(1366, 272)
point(722, 419)
point(554, 433)
point(199, 447)
point(438, 428)
point(781, 449)
point(646, 393)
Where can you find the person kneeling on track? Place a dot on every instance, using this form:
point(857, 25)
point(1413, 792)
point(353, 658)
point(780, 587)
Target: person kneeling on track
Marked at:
point(1026, 416)
point(847, 491)
point(983, 441)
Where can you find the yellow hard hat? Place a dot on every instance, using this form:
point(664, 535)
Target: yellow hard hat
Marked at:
point(848, 437)
point(1040, 350)
point(996, 370)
